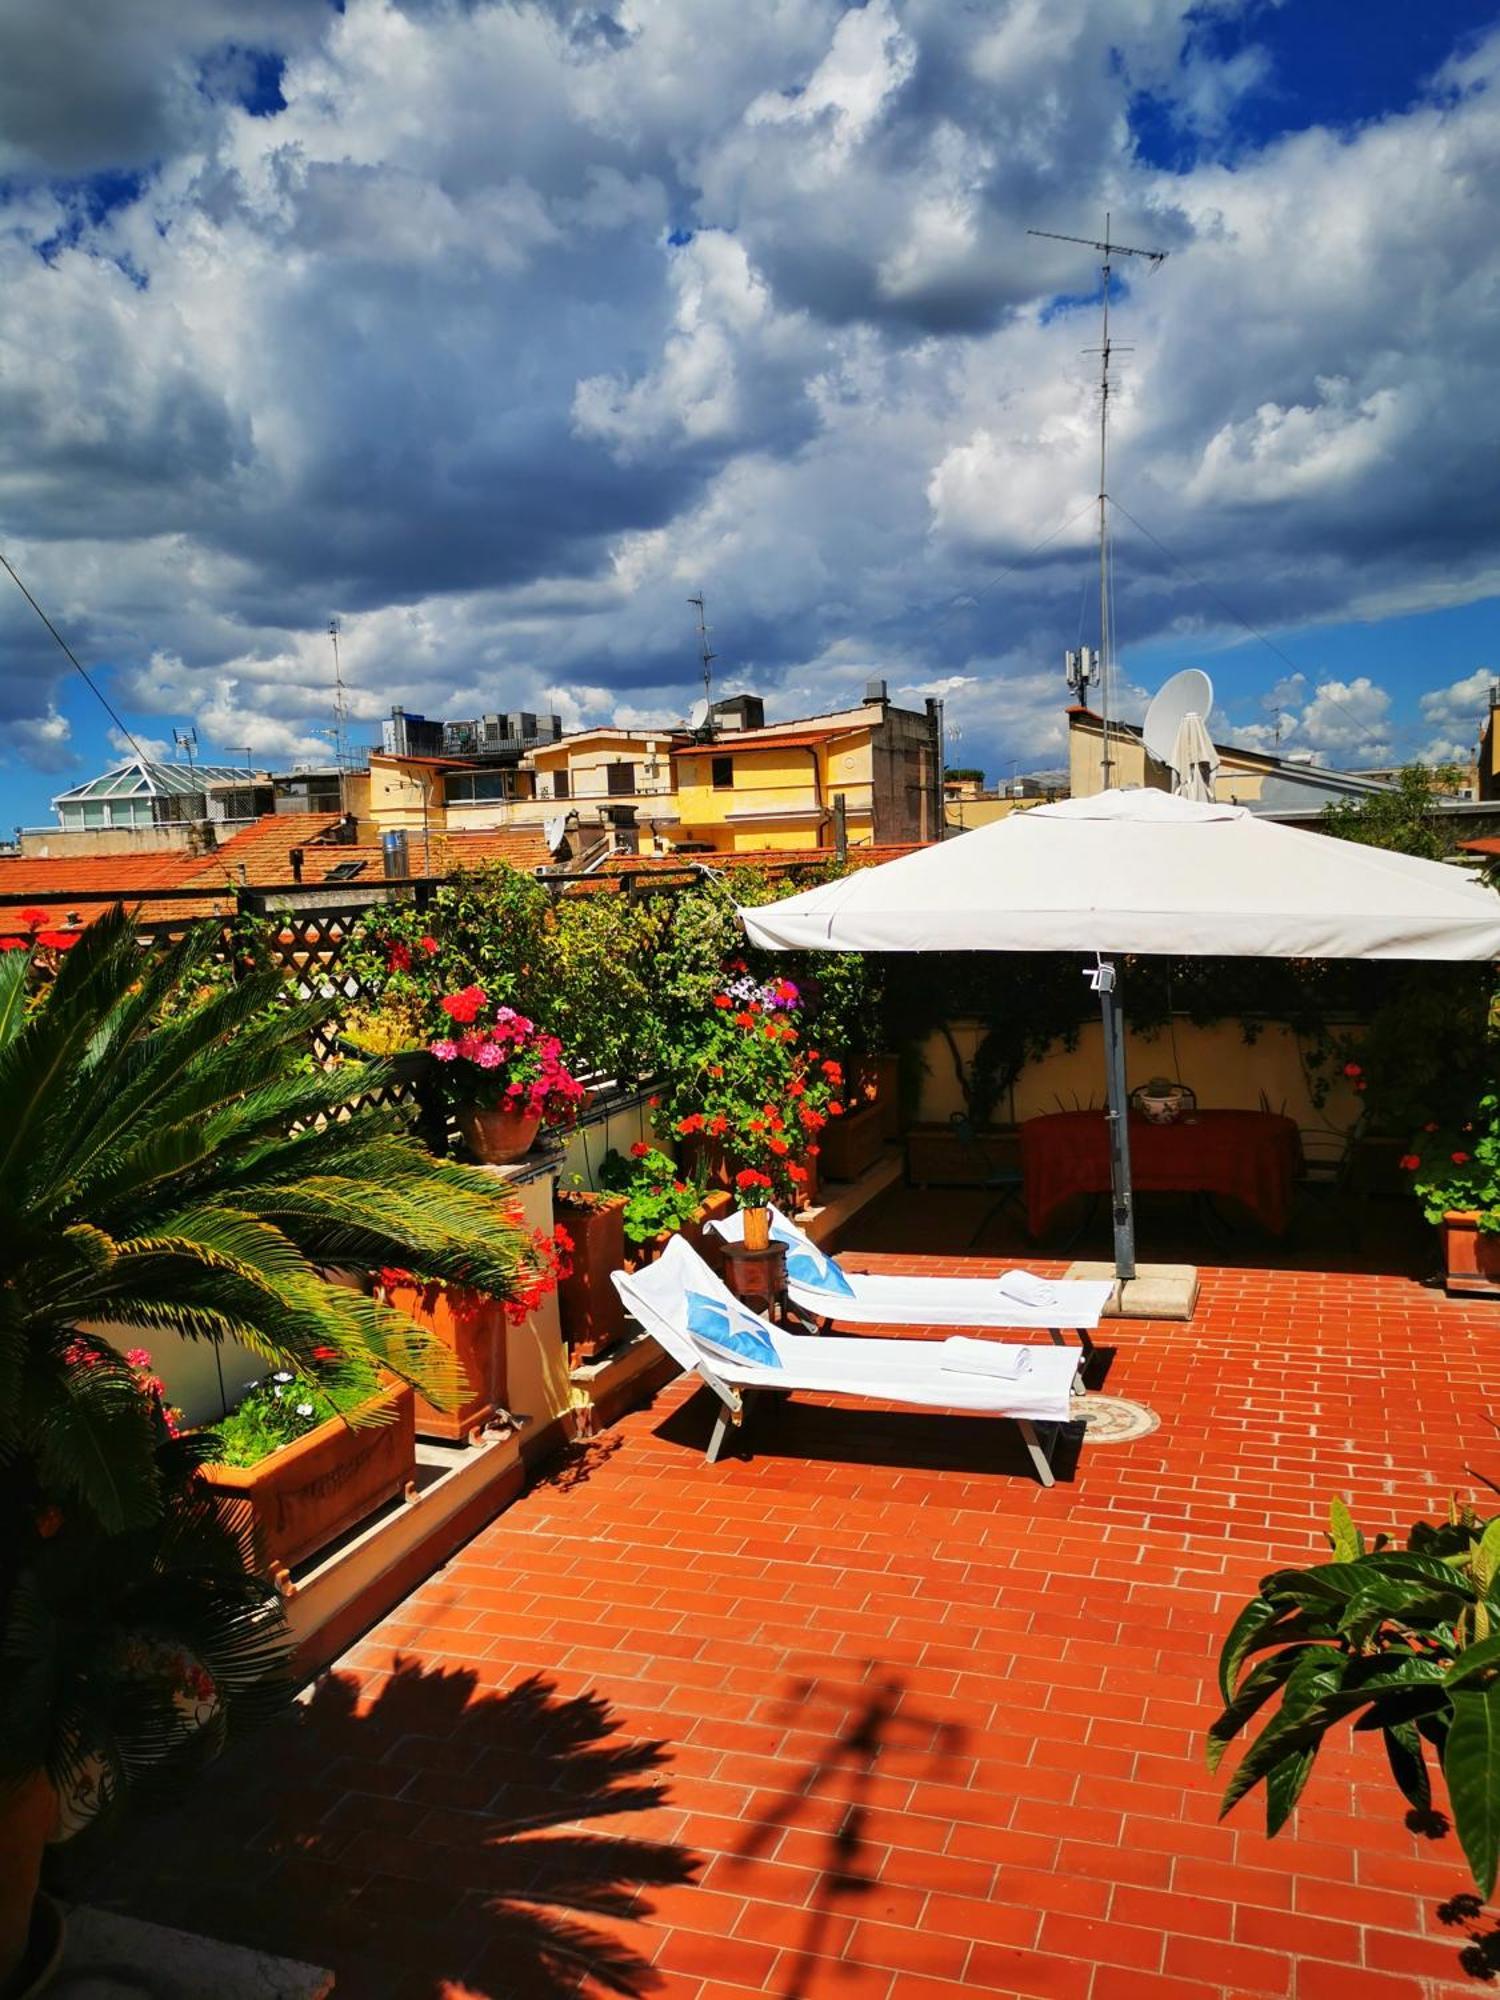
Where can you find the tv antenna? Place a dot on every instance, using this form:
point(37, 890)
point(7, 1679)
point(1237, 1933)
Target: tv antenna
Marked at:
point(708, 659)
point(340, 702)
point(1108, 250)
point(186, 741)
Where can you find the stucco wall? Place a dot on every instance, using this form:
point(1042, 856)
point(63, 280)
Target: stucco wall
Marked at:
point(1227, 1073)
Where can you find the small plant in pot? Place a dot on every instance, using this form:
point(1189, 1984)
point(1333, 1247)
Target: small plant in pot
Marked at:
point(505, 1077)
point(752, 1195)
point(660, 1198)
point(1455, 1175)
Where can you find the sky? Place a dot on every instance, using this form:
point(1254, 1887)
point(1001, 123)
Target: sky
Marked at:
point(497, 331)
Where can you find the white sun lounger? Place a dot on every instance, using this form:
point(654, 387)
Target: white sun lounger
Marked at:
point(900, 1299)
point(887, 1371)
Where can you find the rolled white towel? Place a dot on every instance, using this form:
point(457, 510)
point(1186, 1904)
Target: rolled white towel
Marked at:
point(1004, 1360)
point(1026, 1288)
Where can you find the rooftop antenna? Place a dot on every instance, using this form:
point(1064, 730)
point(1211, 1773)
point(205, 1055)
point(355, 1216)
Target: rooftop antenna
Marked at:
point(708, 659)
point(340, 704)
point(186, 741)
point(1108, 250)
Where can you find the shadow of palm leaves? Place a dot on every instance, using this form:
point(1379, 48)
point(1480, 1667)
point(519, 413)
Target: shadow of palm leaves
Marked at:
point(464, 1839)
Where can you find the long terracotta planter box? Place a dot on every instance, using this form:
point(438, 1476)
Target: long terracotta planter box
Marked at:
point(591, 1310)
point(1472, 1255)
point(304, 1496)
point(471, 1325)
point(852, 1144)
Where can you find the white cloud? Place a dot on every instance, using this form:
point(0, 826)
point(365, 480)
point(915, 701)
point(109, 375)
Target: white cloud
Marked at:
point(519, 324)
point(1461, 705)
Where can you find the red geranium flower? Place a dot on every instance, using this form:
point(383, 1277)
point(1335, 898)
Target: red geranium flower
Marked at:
point(34, 919)
point(639, 1150)
point(722, 1000)
point(749, 1177)
point(798, 1174)
point(429, 945)
point(1410, 1162)
point(1459, 1159)
point(1352, 1069)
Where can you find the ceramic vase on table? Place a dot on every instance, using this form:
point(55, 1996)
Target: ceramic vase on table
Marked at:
point(757, 1228)
point(500, 1135)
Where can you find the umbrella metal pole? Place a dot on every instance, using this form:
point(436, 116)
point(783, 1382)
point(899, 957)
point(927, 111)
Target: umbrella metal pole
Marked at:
point(1103, 977)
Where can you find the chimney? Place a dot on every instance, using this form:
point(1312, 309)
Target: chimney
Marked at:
point(875, 691)
point(294, 856)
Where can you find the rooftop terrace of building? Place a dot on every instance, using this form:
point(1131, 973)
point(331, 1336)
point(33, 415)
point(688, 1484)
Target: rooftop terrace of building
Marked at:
point(870, 1714)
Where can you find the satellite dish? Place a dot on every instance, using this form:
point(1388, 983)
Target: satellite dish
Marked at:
point(1188, 693)
point(1175, 732)
point(699, 717)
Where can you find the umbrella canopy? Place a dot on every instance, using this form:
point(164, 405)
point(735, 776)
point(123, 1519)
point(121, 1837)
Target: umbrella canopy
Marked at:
point(1142, 871)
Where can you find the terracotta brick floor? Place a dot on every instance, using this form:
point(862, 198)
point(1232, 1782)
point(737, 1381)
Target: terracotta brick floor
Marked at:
point(872, 1714)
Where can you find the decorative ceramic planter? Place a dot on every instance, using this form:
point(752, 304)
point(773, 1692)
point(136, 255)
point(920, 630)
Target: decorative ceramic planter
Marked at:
point(1472, 1255)
point(853, 1143)
point(500, 1136)
point(305, 1495)
point(591, 1310)
point(471, 1325)
point(757, 1228)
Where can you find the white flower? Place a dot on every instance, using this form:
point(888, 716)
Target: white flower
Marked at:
point(304, 1409)
point(281, 1375)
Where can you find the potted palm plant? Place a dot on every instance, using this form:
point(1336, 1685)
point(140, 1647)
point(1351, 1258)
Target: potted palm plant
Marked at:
point(178, 1170)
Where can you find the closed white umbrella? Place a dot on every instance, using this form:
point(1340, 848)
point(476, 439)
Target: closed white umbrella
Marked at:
point(1142, 871)
point(1194, 759)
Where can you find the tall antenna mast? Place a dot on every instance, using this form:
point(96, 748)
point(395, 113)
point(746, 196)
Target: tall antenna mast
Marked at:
point(708, 659)
point(187, 741)
point(340, 703)
point(1109, 250)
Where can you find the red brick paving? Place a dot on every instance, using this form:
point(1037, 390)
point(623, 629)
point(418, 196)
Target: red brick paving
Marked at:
point(928, 1730)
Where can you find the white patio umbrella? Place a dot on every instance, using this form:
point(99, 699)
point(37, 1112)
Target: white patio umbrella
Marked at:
point(1142, 871)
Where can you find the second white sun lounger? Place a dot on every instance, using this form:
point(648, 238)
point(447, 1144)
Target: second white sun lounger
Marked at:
point(899, 1299)
point(887, 1371)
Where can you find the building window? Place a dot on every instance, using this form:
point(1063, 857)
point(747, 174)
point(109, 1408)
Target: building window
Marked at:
point(559, 784)
point(477, 788)
point(620, 780)
point(723, 774)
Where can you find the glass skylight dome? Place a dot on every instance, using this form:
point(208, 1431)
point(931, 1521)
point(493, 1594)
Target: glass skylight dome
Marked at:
point(143, 792)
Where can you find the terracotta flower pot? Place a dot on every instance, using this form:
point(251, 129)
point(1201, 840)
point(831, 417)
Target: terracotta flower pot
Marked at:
point(757, 1228)
point(591, 1310)
point(27, 1813)
point(1472, 1255)
point(305, 1495)
point(471, 1325)
point(498, 1136)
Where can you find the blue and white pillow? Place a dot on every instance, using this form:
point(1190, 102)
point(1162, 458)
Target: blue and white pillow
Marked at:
point(807, 1266)
point(725, 1328)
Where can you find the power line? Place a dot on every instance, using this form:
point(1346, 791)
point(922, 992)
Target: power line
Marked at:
point(1233, 613)
point(88, 679)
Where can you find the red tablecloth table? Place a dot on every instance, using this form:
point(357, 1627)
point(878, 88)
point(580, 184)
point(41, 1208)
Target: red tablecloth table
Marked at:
point(1251, 1157)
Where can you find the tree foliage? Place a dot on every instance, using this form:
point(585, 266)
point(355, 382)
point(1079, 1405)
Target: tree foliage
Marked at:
point(1401, 1643)
point(1406, 819)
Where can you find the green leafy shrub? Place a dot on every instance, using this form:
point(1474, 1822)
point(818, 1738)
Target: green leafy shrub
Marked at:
point(284, 1406)
point(1399, 1642)
point(659, 1198)
point(1457, 1167)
